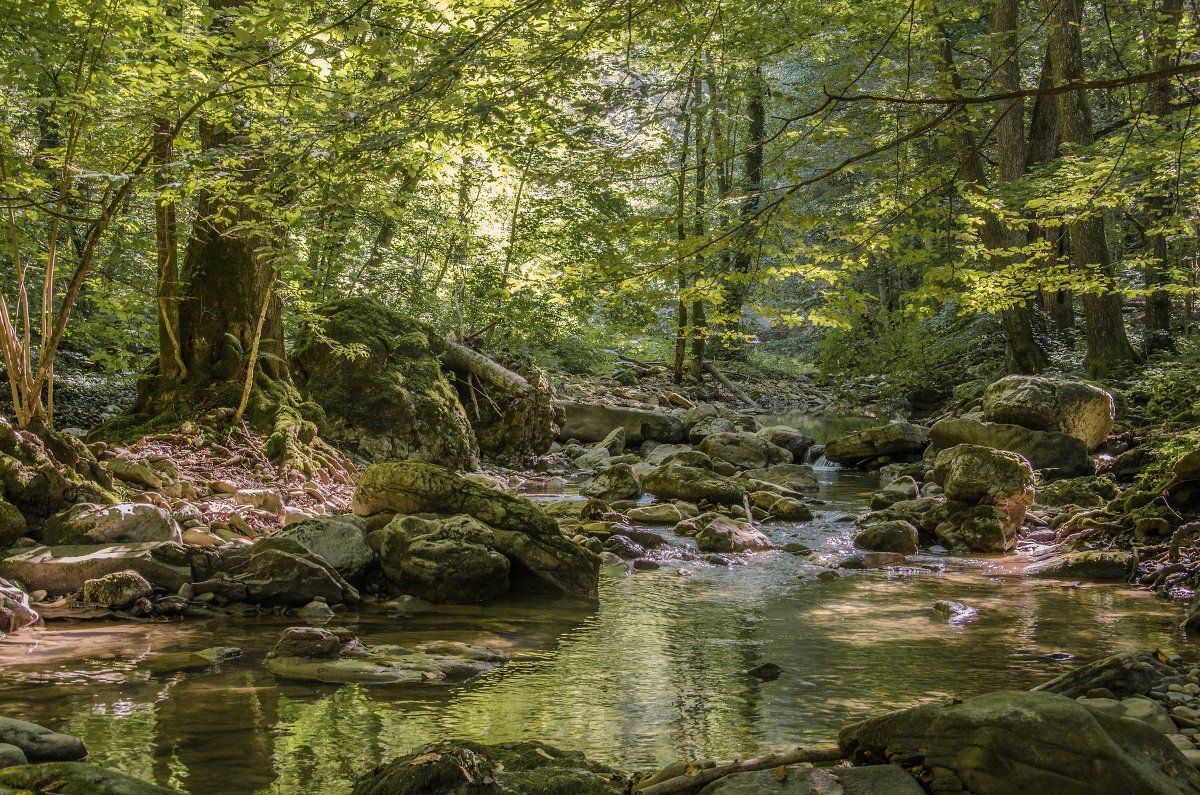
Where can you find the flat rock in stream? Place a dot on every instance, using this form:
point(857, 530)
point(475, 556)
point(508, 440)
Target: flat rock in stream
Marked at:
point(309, 654)
point(591, 422)
point(64, 569)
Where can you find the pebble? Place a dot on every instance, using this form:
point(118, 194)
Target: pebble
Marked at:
point(827, 576)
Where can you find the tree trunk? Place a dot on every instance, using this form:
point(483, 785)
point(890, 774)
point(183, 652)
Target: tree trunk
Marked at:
point(697, 328)
point(1022, 352)
point(170, 364)
point(681, 328)
point(226, 280)
point(738, 287)
point(1158, 301)
point(1108, 347)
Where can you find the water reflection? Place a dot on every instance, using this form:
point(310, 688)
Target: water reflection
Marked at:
point(655, 673)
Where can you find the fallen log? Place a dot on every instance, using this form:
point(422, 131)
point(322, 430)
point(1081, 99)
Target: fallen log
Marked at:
point(733, 388)
point(460, 357)
point(825, 752)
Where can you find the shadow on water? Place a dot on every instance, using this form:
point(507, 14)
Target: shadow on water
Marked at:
point(655, 673)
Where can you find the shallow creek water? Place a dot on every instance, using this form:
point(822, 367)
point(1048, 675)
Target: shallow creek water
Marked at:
point(654, 674)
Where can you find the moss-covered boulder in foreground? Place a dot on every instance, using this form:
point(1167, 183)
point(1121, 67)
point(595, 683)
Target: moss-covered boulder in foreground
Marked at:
point(458, 768)
point(376, 374)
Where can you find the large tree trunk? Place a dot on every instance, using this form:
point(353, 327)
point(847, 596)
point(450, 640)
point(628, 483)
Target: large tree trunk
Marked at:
point(226, 280)
point(1158, 302)
point(1108, 347)
point(1022, 352)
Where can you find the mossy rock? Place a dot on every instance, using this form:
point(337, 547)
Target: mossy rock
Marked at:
point(513, 430)
point(462, 768)
point(74, 778)
point(375, 374)
point(1086, 492)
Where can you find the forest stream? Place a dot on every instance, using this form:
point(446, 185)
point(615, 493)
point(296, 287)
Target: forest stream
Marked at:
point(655, 674)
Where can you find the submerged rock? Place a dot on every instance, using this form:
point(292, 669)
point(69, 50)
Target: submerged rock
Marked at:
point(460, 768)
point(798, 780)
point(335, 657)
point(1015, 741)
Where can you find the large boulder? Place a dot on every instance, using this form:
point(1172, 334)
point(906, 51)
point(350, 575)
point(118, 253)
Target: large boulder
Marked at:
point(40, 744)
point(744, 450)
point(673, 481)
point(591, 422)
point(513, 429)
point(541, 559)
point(282, 571)
point(974, 474)
point(728, 535)
point(980, 528)
point(12, 524)
point(1051, 404)
point(617, 482)
point(86, 523)
point(42, 471)
point(120, 590)
point(417, 487)
point(341, 542)
point(895, 536)
point(1015, 741)
point(998, 486)
point(442, 561)
point(1054, 454)
point(894, 441)
point(523, 768)
point(375, 372)
point(74, 778)
point(64, 570)
point(789, 439)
